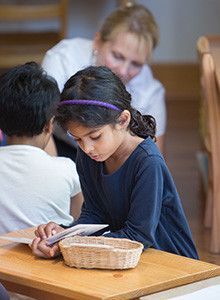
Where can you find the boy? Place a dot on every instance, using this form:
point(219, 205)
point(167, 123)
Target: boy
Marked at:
point(34, 187)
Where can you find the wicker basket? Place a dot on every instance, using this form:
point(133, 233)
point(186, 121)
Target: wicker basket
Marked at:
point(100, 252)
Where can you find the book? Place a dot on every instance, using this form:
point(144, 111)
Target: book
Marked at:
point(15, 239)
point(79, 229)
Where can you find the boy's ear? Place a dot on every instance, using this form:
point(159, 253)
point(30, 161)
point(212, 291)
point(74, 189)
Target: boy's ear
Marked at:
point(48, 128)
point(124, 119)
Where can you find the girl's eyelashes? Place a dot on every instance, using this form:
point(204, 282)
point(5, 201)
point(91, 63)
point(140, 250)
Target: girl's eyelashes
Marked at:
point(70, 135)
point(95, 137)
point(78, 139)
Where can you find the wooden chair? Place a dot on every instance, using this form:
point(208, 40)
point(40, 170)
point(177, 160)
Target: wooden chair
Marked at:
point(209, 55)
point(203, 46)
point(22, 46)
point(208, 44)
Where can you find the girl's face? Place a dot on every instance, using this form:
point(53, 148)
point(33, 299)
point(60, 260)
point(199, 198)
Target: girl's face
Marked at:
point(125, 54)
point(98, 143)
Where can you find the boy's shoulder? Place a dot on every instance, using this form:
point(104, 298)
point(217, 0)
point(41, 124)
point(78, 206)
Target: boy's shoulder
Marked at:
point(60, 167)
point(62, 162)
point(36, 158)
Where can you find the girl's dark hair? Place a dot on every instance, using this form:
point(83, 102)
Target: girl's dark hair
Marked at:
point(100, 83)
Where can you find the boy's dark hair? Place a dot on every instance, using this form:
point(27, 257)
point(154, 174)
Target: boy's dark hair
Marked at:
point(28, 100)
point(100, 83)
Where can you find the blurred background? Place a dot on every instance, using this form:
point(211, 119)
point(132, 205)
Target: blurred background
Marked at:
point(180, 22)
point(175, 64)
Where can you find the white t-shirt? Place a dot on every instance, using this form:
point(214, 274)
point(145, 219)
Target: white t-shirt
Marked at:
point(71, 55)
point(35, 188)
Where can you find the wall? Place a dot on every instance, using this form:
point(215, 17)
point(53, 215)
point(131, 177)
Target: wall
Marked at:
point(181, 23)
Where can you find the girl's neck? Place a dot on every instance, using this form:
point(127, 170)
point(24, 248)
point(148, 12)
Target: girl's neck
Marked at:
point(126, 148)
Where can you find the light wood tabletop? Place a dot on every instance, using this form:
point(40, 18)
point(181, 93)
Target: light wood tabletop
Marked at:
point(51, 279)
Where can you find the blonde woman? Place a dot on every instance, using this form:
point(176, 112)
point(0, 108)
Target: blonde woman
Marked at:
point(124, 43)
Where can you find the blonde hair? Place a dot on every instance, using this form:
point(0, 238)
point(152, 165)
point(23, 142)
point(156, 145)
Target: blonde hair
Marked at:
point(133, 18)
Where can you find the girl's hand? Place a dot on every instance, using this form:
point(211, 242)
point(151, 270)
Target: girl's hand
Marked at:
point(47, 230)
point(41, 249)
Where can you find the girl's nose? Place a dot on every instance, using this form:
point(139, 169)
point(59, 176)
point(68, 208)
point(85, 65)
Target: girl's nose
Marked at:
point(88, 148)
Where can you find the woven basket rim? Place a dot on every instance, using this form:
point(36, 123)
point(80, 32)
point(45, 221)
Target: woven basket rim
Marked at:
point(140, 245)
point(92, 252)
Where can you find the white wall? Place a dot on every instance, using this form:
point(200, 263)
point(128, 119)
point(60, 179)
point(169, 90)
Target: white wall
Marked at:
point(181, 23)
point(86, 16)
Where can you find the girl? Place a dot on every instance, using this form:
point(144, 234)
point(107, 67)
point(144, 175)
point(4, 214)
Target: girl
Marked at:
point(2, 139)
point(124, 179)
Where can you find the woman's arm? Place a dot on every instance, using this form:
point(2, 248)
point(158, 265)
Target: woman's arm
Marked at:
point(53, 65)
point(161, 144)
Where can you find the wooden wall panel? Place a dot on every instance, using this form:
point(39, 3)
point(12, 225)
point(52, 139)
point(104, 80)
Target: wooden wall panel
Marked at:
point(180, 80)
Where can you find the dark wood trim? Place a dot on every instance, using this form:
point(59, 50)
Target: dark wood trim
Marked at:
point(181, 80)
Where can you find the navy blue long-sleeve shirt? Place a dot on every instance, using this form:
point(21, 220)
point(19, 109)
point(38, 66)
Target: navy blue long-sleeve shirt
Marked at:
point(3, 293)
point(139, 201)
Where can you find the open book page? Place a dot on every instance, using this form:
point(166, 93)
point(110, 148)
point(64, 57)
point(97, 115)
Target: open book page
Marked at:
point(14, 239)
point(24, 236)
point(79, 229)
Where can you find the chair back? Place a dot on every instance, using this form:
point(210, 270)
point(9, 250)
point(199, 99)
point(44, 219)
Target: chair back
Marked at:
point(209, 58)
point(209, 44)
point(18, 47)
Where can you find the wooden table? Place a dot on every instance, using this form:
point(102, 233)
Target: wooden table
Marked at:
point(51, 279)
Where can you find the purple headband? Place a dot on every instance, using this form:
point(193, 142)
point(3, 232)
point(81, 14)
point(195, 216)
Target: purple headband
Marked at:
point(90, 102)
